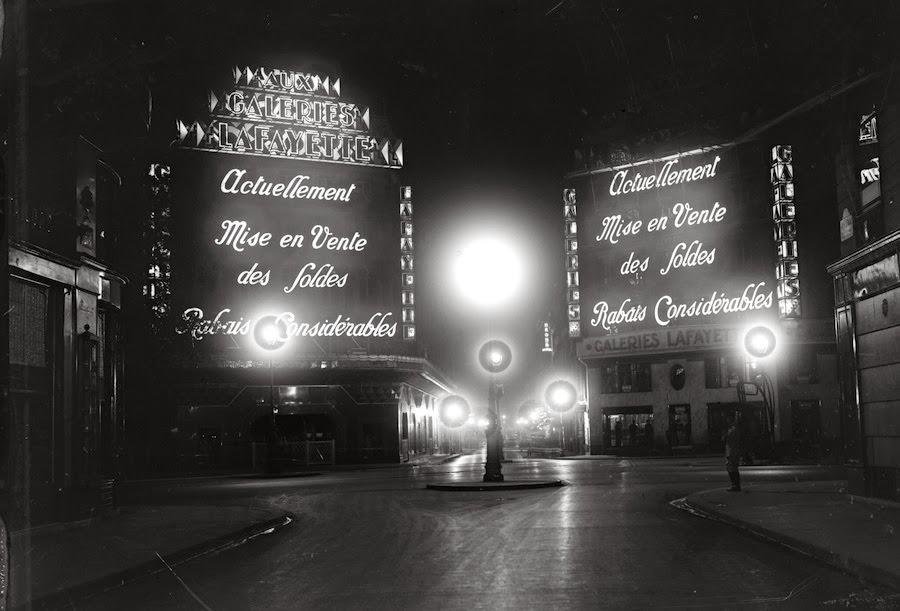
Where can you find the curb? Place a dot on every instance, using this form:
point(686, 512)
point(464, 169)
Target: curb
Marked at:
point(840, 561)
point(74, 594)
point(482, 486)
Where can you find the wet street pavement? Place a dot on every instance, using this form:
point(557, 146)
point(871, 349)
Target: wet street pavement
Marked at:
point(378, 539)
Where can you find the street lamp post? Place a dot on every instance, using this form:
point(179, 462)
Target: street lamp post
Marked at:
point(494, 356)
point(489, 272)
point(270, 334)
point(759, 343)
point(560, 397)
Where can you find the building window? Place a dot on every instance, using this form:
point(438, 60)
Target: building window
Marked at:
point(723, 371)
point(803, 369)
point(625, 377)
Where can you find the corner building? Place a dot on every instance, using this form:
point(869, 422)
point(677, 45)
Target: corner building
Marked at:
point(281, 207)
point(670, 259)
point(867, 283)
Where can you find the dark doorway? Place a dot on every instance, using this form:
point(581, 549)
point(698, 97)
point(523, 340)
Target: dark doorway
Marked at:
point(806, 427)
point(679, 431)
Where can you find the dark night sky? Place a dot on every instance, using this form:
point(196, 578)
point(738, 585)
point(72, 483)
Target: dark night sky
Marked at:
point(491, 99)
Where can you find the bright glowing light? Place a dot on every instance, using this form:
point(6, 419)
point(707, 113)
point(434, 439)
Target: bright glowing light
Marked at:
point(495, 356)
point(760, 341)
point(560, 395)
point(270, 333)
point(454, 411)
point(488, 272)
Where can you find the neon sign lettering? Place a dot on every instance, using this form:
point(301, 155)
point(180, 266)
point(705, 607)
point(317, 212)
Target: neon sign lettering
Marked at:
point(194, 324)
point(237, 235)
point(647, 280)
point(310, 276)
point(752, 298)
point(281, 113)
point(285, 141)
point(868, 175)
point(606, 318)
point(683, 214)
point(287, 81)
point(689, 256)
point(667, 177)
point(253, 105)
point(233, 182)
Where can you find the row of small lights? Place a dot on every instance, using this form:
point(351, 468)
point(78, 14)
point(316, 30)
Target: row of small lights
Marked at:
point(454, 410)
point(407, 275)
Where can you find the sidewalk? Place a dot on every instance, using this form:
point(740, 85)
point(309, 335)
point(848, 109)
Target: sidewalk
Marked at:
point(818, 518)
point(59, 564)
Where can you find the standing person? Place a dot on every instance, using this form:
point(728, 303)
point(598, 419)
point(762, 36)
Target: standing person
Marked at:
point(618, 432)
point(632, 433)
point(733, 453)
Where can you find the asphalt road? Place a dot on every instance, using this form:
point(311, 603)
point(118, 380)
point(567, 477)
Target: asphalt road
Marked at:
point(377, 539)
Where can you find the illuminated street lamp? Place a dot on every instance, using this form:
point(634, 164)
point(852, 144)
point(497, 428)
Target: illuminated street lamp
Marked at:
point(494, 356)
point(270, 334)
point(759, 343)
point(560, 396)
point(488, 272)
point(454, 411)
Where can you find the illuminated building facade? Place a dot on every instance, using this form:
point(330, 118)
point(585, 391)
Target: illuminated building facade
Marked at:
point(669, 260)
point(282, 199)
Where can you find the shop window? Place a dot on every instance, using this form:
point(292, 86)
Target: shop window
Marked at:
point(628, 427)
point(404, 434)
point(723, 371)
point(625, 377)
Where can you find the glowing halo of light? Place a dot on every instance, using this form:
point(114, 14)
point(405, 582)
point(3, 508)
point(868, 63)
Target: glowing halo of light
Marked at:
point(454, 411)
point(760, 341)
point(495, 356)
point(560, 395)
point(488, 271)
point(270, 332)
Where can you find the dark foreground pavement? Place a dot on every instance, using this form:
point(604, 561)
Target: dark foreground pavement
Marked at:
point(58, 565)
point(858, 535)
point(64, 565)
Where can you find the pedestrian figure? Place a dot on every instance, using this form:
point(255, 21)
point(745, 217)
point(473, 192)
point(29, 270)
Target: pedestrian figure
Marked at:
point(618, 432)
point(632, 433)
point(733, 453)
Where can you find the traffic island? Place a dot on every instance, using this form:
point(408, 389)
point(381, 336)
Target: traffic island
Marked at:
point(504, 485)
